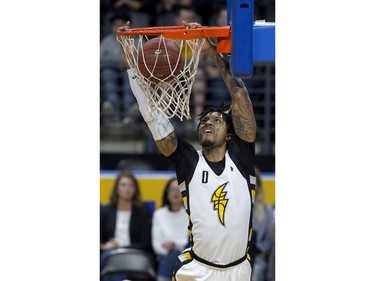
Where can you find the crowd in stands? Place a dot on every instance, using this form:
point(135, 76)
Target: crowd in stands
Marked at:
point(117, 102)
point(128, 222)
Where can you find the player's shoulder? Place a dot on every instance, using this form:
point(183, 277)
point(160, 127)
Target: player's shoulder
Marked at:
point(183, 148)
point(239, 148)
point(236, 141)
point(184, 143)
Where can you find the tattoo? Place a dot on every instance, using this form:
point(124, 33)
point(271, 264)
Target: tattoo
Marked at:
point(167, 145)
point(244, 121)
point(171, 139)
point(221, 64)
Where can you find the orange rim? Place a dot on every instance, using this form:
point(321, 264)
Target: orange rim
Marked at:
point(180, 32)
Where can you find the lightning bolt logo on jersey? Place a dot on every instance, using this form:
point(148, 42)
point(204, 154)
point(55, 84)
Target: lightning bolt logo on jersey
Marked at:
point(218, 198)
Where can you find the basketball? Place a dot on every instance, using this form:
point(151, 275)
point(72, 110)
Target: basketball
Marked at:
point(159, 59)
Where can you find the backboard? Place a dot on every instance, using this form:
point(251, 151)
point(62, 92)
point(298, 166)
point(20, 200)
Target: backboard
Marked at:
point(251, 41)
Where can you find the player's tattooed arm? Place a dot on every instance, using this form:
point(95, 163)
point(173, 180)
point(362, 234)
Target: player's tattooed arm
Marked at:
point(243, 116)
point(168, 144)
point(242, 109)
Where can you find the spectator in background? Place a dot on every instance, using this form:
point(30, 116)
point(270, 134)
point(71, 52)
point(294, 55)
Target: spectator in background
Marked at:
point(264, 10)
point(166, 6)
point(165, 9)
point(263, 227)
point(176, 13)
point(216, 89)
point(141, 12)
point(220, 18)
point(115, 82)
point(204, 9)
point(169, 230)
point(184, 11)
point(217, 5)
point(125, 221)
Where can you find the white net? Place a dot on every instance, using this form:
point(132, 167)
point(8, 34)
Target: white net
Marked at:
point(170, 94)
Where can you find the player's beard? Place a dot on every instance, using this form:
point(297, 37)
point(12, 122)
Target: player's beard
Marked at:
point(207, 143)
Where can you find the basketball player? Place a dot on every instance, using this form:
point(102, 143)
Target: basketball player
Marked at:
point(217, 182)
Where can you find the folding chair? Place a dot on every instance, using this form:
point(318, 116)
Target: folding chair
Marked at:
point(137, 264)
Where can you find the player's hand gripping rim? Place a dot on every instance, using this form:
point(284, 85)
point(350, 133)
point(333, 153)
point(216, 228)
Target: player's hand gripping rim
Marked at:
point(191, 25)
point(129, 47)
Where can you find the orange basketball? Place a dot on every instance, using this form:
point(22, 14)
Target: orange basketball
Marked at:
point(159, 59)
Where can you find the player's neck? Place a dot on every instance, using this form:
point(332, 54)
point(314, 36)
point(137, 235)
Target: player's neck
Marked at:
point(214, 154)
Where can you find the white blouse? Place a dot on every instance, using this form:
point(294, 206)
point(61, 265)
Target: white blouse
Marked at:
point(169, 226)
point(122, 234)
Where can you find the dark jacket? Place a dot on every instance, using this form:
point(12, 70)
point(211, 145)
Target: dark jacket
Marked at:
point(140, 226)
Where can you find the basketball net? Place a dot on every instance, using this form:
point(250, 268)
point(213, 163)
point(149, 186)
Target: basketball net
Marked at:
point(171, 97)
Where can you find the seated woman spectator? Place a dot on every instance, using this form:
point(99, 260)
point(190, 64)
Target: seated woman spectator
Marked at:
point(169, 230)
point(125, 221)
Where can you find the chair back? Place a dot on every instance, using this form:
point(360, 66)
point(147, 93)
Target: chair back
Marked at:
point(136, 264)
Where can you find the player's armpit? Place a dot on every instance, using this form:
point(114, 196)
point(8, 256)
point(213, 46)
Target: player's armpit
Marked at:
point(167, 145)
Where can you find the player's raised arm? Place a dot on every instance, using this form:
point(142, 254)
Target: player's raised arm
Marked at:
point(158, 123)
point(242, 110)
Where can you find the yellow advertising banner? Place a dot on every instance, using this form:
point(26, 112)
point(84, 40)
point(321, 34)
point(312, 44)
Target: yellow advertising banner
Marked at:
point(152, 186)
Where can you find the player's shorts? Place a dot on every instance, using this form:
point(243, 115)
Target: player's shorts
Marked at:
point(193, 270)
